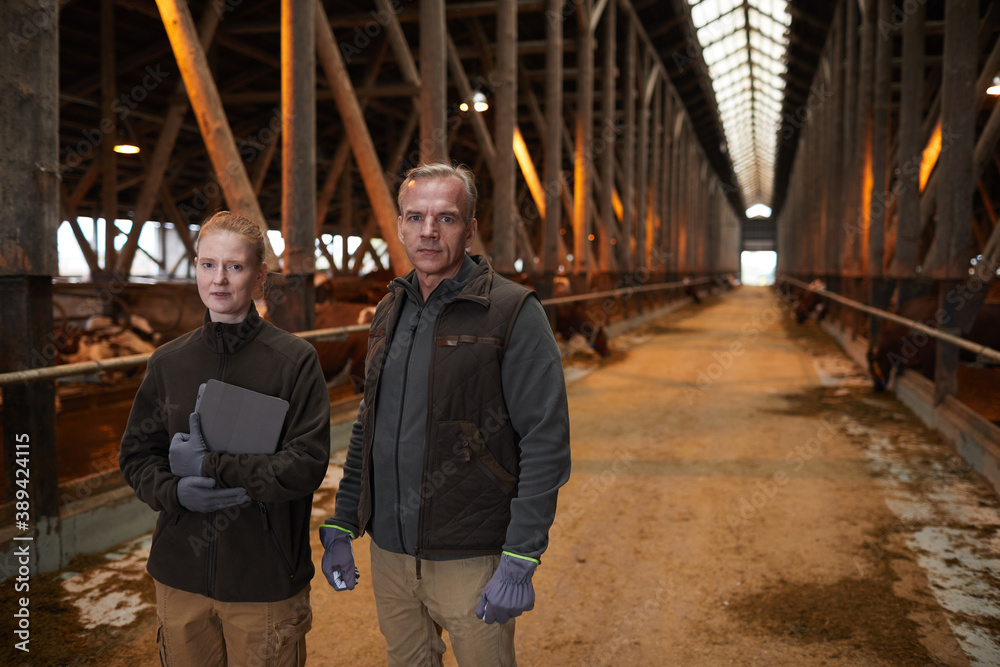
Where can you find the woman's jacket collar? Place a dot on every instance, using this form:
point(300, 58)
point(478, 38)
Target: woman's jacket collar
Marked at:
point(223, 337)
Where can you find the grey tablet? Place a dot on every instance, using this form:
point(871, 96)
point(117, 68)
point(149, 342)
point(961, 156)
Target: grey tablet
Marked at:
point(238, 420)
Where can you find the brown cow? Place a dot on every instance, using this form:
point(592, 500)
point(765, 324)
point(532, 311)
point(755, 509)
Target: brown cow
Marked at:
point(342, 360)
point(580, 317)
point(900, 346)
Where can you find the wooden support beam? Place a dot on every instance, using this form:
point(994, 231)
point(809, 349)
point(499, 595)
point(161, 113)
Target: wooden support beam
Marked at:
point(483, 49)
point(362, 146)
point(400, 47)
point(654, 217)
point(109, 128)
point(606, 220)
point(879, 194)
point(946, 355)
point(298, 149)
point(342, 153)
point(851, 178)
point(675, 189)
point(29, 220)
point(584, 146)
point(528, 171)
point(505, 122)
point(863, 126)
point(170, 207)
point(911, 147)
point(642, 166)
point(204, 97)
point(483, 137)
point(69, 213)
point(434, 82)
point(628, 158)
point(534, 108)
point(948, 257)
point(403, 141)
point(670, 111)
point(260, 166)
point(347, 217)
point(986, 143)
point(550, 257)
point(461, 81)
point(171, 128)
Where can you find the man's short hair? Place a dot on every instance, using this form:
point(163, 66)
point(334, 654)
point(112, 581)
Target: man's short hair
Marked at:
point(441, 170)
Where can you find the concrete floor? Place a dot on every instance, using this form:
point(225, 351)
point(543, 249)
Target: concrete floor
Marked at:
point(739, 496)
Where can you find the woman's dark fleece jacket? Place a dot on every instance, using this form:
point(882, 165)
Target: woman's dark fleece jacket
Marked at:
point(259, 551)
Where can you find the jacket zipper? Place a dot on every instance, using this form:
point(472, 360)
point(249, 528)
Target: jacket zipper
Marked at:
point(427, 425)
point(399, 421)
point(213, 544)
point(266, 520)
point(223, 356)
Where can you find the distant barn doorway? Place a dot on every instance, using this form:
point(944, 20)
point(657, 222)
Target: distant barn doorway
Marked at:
point(757, 267)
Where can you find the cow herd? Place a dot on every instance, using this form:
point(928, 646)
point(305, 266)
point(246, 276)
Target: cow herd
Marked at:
point(901, 347)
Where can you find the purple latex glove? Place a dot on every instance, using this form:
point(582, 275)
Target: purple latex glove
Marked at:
point(187, 450)
point(509, 593)
point(338, 558)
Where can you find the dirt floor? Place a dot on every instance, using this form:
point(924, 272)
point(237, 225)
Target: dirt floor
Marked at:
point(739, 496)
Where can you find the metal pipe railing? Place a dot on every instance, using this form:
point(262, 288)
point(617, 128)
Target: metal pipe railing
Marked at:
point(555, 301)
point(336, 333)
point(981, 350)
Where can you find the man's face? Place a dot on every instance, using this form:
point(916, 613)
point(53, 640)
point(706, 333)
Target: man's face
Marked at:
point(433, 228)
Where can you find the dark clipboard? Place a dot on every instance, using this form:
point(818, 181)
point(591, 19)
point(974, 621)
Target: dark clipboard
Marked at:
point(239, 421)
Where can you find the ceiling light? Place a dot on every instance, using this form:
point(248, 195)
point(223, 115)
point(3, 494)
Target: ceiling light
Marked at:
point(994, 89)
point(479, 101)
point(126, 149)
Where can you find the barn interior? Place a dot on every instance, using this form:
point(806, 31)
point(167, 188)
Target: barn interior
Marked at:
point(634, 152)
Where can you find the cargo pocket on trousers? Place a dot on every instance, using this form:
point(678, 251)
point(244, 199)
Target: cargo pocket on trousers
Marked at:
point(290, 631)
point(161, 645)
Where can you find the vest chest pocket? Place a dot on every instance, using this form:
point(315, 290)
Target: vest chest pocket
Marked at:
point(469, 447)
point(455, 341)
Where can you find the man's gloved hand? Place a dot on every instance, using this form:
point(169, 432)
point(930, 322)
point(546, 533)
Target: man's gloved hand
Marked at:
point(187, 450)
point(338, 558)
point(199, 495)
point(509, 593)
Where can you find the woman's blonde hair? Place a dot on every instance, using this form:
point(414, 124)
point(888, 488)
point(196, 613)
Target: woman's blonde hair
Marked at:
point(245, 228)
point(227, 221)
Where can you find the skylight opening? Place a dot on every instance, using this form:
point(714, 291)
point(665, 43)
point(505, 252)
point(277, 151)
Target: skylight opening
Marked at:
point(759, 211)
point(743, 43)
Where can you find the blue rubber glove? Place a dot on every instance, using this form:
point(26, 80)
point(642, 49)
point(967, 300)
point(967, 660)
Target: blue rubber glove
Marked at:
point(338, 558)
point(199, 495)
point(187, 450)
point(509, 593)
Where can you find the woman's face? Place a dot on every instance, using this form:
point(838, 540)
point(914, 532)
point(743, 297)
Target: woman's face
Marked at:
point(228, 274)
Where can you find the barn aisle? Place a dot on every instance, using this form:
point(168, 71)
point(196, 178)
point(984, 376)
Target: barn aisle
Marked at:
point(739, 496)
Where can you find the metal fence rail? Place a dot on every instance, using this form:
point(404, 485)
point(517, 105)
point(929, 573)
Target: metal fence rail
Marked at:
point(981, 350)
point(337, 333)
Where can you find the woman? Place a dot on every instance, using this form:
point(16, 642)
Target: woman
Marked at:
point(230, 554)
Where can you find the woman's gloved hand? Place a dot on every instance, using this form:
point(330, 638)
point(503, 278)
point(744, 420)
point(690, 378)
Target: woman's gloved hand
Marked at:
point(199, 495)
point(187, 450)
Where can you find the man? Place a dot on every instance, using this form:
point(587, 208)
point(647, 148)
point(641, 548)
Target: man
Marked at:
point(460, 445)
